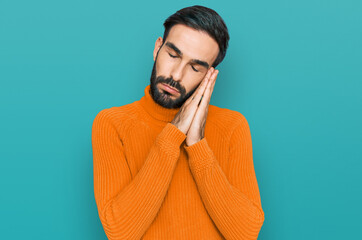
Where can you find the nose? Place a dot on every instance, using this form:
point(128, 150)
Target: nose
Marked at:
point(177, 71)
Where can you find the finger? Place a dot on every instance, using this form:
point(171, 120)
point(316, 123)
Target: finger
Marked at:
point(201, 112)
point(202, 108)
point(201, 89)
point(213, 83)
point(207, 95)
point(208, 90)
point(205, 81)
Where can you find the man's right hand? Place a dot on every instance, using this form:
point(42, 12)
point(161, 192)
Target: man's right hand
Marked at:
point(184, 117)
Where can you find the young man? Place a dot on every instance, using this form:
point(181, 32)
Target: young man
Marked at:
point(161, 170)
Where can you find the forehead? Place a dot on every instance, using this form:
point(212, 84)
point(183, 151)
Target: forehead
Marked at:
point(193, 44)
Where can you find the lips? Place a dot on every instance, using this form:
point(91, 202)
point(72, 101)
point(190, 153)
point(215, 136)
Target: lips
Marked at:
point(169, 89)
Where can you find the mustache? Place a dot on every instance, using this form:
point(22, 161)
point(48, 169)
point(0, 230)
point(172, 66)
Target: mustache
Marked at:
point(170, 82)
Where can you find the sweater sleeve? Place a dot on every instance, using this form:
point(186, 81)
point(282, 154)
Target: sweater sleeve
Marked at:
point(127, 206)
point(233, 201)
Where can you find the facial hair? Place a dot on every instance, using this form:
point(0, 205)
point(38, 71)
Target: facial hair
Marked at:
point(164, 98)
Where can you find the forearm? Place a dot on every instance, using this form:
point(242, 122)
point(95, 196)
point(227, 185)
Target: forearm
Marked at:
point(234, 213)
point(130, 212)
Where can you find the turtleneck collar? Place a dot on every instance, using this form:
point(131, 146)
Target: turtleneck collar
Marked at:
point(155, 110)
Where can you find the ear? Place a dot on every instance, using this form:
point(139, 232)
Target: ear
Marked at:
point(158, 44)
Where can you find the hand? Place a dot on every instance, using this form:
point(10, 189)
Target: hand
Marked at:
point(197, 128)
point(183, 118)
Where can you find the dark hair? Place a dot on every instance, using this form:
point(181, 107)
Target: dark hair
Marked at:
point(204, 19)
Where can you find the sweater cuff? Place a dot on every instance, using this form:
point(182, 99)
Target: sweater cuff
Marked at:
point(172, 135)
point(200, 155)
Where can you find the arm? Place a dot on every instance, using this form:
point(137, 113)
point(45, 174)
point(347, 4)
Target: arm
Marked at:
point(128, 206)
point(233, 201)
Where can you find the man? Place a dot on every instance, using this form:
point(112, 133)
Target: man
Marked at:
point(161, 170)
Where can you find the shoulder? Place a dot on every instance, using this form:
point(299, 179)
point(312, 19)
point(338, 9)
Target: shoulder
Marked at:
point(226, 118)
point(226, 124)
point(117, 116)
point(230, 124)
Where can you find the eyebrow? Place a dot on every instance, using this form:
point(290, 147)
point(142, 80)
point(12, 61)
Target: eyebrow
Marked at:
point(178, 51)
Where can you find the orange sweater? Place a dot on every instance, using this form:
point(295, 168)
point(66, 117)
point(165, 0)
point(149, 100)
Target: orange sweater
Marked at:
point(149, 184)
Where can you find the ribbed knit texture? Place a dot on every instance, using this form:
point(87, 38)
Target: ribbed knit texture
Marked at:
point(149, 184)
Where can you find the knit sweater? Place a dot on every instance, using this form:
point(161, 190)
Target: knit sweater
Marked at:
point(148, 184)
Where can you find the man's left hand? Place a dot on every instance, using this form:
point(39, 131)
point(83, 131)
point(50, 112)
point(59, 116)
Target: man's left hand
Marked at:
point(197, 127)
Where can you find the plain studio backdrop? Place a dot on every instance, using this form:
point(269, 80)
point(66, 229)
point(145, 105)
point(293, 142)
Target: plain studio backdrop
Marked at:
point(293, 69)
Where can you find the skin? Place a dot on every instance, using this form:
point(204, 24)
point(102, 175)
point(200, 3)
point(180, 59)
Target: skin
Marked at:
point(183, 62)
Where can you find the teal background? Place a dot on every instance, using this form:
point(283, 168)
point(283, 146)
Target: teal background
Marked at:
point(293, 69)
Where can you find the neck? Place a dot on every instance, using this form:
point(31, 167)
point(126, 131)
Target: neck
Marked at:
point(155, 110)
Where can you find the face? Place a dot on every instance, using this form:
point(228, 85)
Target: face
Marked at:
point(181, 62)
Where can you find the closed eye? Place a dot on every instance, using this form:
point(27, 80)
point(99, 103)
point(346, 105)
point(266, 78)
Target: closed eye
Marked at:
point(177, 56)
point(194, 68)
point(172, 55)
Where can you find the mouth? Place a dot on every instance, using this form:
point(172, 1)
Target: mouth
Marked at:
point(169, 89)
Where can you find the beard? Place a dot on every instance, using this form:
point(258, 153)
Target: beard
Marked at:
point(163, 98)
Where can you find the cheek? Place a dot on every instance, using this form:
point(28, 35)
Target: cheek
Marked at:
point(191, 83)
point(163, 65)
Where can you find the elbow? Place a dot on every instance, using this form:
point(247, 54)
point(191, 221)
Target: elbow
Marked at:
point(259, 220)
point(118, 226)
point(260, 216)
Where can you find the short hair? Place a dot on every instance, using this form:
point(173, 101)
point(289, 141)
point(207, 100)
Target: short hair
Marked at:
point(204, 19)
